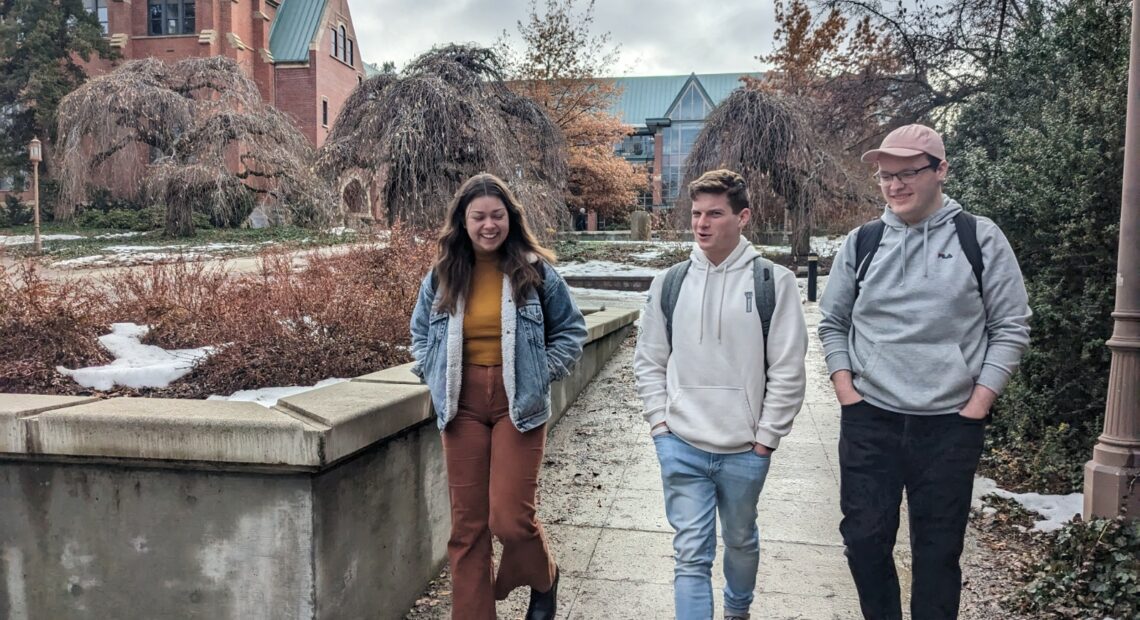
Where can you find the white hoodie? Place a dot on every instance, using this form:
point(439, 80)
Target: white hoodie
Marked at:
point(713, 392)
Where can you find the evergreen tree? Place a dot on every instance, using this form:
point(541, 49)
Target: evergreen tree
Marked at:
point(41, 44)
point(1041, 151)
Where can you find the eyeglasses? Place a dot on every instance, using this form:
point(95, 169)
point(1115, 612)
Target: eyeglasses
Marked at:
point(906, 176)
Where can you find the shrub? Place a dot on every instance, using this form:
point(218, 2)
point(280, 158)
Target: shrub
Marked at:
point(345, 315)
point(15, 212)
point(44, 324)
point(1090, 570)
point(1042, 153)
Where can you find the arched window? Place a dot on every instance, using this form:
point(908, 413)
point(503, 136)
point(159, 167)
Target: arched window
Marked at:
point(343, 43)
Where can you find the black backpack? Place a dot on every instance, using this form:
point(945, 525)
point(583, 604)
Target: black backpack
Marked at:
point(869, 236)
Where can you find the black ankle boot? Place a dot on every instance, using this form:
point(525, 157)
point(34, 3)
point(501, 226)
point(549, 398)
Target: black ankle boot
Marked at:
point(543, 605)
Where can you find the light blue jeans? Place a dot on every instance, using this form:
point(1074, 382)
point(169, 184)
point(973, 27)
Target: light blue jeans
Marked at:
point(697, 485)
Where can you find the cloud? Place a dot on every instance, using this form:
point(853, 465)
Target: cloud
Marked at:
point(662, 37)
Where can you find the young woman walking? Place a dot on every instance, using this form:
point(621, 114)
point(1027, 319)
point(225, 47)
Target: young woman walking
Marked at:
point(494, 325)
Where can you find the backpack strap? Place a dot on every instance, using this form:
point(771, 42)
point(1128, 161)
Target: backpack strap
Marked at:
point(670, 290)
point(867, 240)
point(966, 225)
point(764, 286)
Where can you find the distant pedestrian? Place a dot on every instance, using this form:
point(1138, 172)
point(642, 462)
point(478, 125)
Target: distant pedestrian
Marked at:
point(580, 220)
point(493, 326)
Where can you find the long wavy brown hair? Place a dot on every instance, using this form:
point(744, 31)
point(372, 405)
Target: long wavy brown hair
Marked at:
point(456, 260)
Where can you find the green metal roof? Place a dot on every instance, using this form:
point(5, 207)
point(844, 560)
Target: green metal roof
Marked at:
point(294, 29)
point(650, 97)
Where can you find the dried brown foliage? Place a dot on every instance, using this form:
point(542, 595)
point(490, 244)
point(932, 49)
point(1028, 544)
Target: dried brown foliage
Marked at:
point(44, 324)
point(344, 315)
point(559, 69)
point(448, 116)
point(768, 139)
point(170, 134)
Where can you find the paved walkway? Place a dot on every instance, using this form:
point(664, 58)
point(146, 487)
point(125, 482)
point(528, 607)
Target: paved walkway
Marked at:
point(602, 504)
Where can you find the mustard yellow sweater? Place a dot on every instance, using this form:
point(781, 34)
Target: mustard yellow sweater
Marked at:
point(482, 314)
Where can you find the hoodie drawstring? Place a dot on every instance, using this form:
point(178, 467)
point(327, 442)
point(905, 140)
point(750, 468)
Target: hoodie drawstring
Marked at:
point(925, 254)
point(704, 293)
point(720, 312)
point(902, 278)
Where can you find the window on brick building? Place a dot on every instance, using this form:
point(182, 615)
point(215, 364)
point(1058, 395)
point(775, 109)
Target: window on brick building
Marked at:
point(170, 17)
point(324, 112)
point(343, 48)
point(99, 9)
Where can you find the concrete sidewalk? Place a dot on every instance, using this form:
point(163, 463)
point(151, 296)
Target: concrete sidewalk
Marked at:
point(606, 514)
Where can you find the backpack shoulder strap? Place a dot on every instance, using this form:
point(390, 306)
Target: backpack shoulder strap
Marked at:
point(764, 285)
point(966, 225)
point(670, 290)
point(867, 241)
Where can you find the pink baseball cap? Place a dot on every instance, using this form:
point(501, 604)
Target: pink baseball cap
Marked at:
point(908, 141)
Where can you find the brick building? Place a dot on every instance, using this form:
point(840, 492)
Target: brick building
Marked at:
point(303, 54)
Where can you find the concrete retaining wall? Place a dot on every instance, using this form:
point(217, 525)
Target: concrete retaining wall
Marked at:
point(333, 504)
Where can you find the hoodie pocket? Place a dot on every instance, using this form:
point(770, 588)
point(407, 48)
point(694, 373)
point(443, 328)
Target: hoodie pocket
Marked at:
point(918, 377)
point(714, 415)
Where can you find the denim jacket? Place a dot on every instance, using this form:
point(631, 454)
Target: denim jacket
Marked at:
point(537, 349)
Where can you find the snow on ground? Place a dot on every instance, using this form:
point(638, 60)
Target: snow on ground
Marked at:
point(824, 246)
point(605, 268)
point(27, 239)
point(119, 235)
point(129, 255)
point(267, 397)
point(136, 365)
point(1055, 510)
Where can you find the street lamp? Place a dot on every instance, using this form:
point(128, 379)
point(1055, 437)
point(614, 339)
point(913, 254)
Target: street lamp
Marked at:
point(35, 153)
point(1111, 476)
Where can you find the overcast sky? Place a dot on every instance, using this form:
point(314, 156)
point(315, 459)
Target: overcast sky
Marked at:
point(657, 37)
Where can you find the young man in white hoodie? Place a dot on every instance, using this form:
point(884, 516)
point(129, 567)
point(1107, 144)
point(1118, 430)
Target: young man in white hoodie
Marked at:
point(719, 396)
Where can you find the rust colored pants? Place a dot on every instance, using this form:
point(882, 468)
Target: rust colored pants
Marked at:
point(492, 475)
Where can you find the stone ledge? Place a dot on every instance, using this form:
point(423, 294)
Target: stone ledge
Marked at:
point(15, 407)
point(170, 429)
point(311, 430)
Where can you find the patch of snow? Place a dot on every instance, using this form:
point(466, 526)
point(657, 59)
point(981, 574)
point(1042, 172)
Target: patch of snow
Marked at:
point(119, 235)
point(136, 365)
point(605, 268)
point(1055, 510)
point(27, 239)
point(267, 397)
point(341, 230)
point(128, 259)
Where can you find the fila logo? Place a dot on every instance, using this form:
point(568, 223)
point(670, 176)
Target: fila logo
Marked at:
point(748, 301)
point(945, 255)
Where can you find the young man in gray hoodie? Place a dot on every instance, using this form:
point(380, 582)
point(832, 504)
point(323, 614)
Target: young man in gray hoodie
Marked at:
point(920, 340)
point(719, 395)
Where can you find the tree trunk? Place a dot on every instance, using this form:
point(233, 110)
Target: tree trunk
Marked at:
point(179, 221)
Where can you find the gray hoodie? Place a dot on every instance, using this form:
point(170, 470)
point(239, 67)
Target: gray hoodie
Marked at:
point(919, 336)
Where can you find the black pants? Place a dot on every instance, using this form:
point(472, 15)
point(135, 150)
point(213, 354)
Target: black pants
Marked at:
point(934, 458)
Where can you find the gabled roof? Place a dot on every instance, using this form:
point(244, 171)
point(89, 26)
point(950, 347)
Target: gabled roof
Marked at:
point(651, 97)
point(294, 29)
